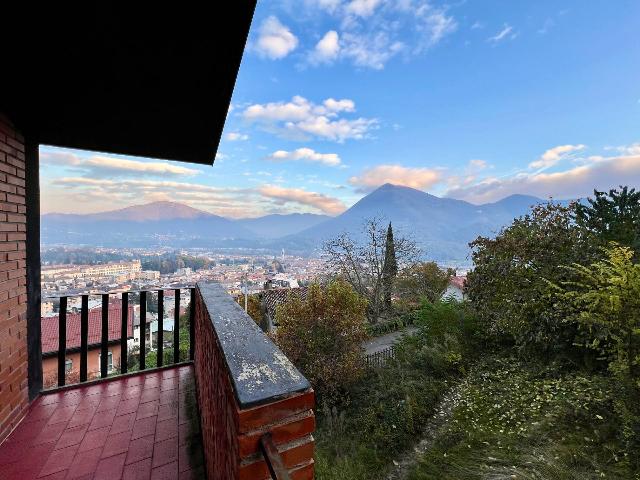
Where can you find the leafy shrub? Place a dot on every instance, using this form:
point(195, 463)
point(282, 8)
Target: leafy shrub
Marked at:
point(323, 336)
point(507, 285)
point(604, 300)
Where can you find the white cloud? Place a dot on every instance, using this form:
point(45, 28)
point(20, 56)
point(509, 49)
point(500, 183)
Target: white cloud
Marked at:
point(633, 149)
point(554, 155)
point(477, 164)
point(81, 194)
point(319, 201)
point(301, 119)
point(372, 32)
point(506, 33)
point(602, 173)
point(419, 178)
point(236, 136)
point(372, 50)
point(306, 154)
point(275, 40)
point(98, 165)
point(362, 8)
point(327, 49)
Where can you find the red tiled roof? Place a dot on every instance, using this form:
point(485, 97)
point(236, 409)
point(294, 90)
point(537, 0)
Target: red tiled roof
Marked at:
point(271, 299)
point(458, 281)
point(49, 328)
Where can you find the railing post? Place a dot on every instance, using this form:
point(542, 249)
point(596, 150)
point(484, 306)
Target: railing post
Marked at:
point(143, 329)
point(62, 342)
point(273, 458)
point(192, 324)
point(160, 327)
point(84, 337)
point(105, 336)
point(176, 327)
point(124, 332)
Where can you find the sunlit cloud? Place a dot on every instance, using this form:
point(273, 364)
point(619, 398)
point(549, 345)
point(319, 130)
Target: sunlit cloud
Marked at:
point(601, 173)
point(305, 154)
point(323, 203)
point(555, 155)
point(419, 178)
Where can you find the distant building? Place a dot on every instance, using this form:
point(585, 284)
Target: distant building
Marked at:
point(456, 288)
point(115, 269)
point(151, 275)
point(271, 299)
point(50, 338)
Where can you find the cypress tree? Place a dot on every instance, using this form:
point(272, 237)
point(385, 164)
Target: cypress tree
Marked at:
point(389, 268)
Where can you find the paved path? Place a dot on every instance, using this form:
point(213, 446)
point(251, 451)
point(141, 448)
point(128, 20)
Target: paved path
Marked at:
point(378, 344)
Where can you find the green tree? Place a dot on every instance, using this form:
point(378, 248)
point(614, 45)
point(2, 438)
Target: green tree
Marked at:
point(605, 302)
point(424, 280)
point(389, 268)
point(507, 285)
point(362, 261)
point(613, 216)
point(323, 336)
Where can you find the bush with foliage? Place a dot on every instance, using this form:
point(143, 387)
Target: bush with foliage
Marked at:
point(322, 335)
point(604, 299)
point(424, 280)
point(507, 285)
point(612, 216)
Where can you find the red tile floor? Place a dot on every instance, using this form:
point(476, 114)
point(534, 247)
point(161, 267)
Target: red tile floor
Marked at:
point(144, 426)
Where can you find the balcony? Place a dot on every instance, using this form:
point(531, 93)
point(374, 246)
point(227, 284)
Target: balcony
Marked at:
point(235, 408)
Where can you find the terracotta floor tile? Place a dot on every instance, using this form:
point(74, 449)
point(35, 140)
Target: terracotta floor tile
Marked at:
point(76, 433)
point(110, 468)
point(138, 471)
point(59, 460)
point(168, 471)
point(165, 452)
point(123, 423)
point(84, 463)
point(140, 449)
point(102, 419)
point(71, 436)
point(94, 439)
point(116, 444)
point(144, 427)
point(166, 429)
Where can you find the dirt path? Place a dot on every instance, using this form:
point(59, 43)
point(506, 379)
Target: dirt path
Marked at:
point(377, 344)
point(449, 401)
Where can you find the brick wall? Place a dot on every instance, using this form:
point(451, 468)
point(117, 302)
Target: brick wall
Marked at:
point(231, 435)
point(13, 289)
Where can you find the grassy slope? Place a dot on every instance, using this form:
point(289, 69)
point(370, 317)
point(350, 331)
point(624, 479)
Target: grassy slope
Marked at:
point(517, 421)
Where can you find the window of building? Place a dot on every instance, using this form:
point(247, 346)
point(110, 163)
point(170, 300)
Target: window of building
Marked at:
point(68, 365)
point(109, 361)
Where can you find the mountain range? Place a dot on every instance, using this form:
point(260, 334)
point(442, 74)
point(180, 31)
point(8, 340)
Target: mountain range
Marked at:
point(442, 227)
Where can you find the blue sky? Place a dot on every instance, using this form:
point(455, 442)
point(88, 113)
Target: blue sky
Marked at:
point(474, 100)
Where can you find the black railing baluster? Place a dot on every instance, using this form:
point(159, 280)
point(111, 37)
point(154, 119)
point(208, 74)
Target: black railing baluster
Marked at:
point(84, 337)
point(176, 327)
point(160, 338)
point(143, 329)
point(192, 324)
point(124, 332)
point(104, 341)
point(62, 342)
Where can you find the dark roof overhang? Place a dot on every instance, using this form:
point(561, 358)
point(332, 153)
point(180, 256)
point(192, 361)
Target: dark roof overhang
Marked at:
point(131, 78)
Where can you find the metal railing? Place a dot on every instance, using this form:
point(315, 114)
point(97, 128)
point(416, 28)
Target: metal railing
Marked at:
point(378, 359)
point(63, 350)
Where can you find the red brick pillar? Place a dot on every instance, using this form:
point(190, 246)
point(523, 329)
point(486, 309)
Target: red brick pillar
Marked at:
point(13, 290)
point(235, 362)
